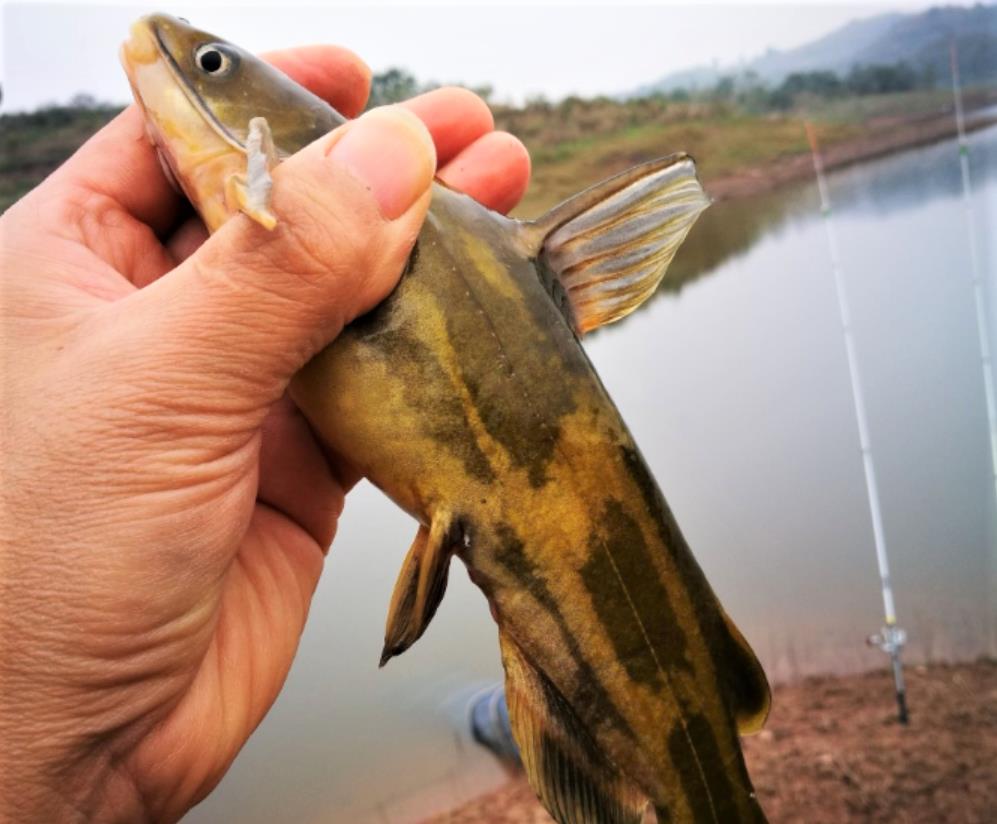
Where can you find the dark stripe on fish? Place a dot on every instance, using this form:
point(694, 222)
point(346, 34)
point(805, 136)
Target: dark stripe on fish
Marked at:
point(702, 771)
point(528, 427)
point(728, 659)
point(631, 601)
point(589, 691)
point(419, 371)
point(530, 438)
point(663, 814)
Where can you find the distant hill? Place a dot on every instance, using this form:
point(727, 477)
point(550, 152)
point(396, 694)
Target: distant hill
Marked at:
point(921, 39)
point(838, 51)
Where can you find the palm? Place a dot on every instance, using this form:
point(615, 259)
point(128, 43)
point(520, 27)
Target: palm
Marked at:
point(263, 604)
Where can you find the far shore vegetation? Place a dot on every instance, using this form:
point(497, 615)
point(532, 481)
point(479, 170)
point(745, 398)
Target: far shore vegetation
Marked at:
point(737, 125)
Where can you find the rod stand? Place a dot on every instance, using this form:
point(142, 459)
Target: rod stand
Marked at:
point(891, 639)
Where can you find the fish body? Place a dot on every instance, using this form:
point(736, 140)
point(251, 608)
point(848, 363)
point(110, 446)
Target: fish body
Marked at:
point(467, 398)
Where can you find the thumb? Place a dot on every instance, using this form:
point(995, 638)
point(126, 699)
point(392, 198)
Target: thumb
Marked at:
point(250, 307)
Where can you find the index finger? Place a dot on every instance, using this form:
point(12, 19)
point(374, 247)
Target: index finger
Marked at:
point(333, 73)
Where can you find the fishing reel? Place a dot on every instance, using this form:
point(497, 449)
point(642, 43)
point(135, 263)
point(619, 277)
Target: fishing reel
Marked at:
point(890, 639)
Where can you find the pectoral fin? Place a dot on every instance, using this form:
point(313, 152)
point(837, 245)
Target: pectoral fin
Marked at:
point(572, 777)
point(606, 249)
point(251, 192)
point(420, 585)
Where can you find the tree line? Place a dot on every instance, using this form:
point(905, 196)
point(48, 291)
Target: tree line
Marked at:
point(749, 90)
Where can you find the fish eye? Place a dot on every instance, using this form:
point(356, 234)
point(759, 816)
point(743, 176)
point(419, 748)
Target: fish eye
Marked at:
point(211, 59)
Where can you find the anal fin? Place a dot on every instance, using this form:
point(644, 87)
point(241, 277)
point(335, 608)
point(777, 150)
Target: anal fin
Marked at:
point(573, 778)
point(420, 585)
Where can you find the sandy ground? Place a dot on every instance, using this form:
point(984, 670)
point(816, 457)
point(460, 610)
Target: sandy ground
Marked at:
point(832, 751)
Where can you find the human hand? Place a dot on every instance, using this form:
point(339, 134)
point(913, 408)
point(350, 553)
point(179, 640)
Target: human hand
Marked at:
point(166, 509)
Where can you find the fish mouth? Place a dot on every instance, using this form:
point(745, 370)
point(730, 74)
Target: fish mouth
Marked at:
point(142, 56)
point(138, 50)
point(141, 47)
point(196, 155)
point(145, 51)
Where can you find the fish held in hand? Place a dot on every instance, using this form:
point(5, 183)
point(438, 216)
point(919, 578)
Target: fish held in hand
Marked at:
point(467, 398)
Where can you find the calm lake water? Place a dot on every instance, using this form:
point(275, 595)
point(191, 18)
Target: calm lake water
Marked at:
point(736, 388)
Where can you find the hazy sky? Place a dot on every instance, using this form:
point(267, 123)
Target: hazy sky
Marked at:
point(51, 52)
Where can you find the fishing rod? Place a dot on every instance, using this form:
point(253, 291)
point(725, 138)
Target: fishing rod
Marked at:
point(891, 638)
point(976, 277)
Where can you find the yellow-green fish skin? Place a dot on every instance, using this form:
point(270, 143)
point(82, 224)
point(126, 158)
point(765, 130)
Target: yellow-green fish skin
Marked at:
point(466, 390)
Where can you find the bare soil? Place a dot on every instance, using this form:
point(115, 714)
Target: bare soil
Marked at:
point(832, 751)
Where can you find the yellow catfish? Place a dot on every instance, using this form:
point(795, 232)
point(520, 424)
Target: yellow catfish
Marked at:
point(467, 397)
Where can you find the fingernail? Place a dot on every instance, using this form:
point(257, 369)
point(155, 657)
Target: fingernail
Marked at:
point(392, 153)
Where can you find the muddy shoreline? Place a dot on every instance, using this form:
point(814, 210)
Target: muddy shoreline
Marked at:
point(832, 751)
point(883, 136)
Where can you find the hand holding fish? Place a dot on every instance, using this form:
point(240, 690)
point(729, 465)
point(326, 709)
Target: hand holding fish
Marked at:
point(166, 508)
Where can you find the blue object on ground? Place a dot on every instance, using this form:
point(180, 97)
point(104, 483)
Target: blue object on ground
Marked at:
point(489, 716)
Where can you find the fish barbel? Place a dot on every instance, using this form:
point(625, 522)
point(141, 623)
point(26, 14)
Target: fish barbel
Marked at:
point(467, 397)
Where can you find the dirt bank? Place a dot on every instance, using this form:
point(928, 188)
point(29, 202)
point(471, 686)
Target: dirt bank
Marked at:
point(833, 752)
point(882, 136)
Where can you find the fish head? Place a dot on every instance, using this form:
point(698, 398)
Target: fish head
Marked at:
point(199, 93)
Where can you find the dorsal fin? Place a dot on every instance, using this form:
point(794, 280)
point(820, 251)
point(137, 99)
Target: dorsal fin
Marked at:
point(609, 246)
